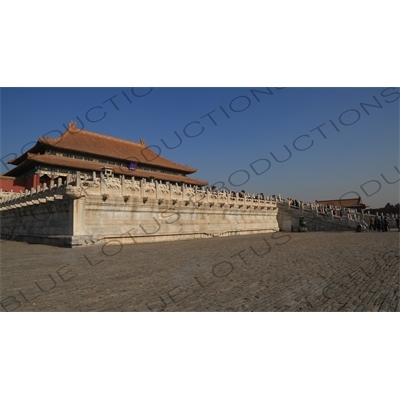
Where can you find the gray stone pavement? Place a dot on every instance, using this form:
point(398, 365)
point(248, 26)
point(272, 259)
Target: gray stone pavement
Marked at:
point(321, 271)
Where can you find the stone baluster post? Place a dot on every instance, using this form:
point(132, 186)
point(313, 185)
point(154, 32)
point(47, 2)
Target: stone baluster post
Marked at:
point(102, 183)
point(141, 191)
point(184, 191)
point(123, 188)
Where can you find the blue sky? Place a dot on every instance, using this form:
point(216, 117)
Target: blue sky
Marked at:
point(237, 130)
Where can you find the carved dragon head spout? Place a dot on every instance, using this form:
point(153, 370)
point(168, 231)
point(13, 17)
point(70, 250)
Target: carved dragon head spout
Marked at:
point(74, 192)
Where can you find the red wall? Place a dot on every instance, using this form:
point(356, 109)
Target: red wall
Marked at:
point(30, 182)
point(11, 184)
point(17, 184)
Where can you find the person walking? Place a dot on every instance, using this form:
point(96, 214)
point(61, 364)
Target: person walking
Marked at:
point(378, 223)
point(385, 224)
point(371, 223)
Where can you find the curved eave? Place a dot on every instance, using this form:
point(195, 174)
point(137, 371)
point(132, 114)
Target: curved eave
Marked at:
point(20, 159)
point(82, 165)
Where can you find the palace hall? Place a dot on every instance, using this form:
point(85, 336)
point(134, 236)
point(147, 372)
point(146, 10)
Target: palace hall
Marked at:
point(84, 151)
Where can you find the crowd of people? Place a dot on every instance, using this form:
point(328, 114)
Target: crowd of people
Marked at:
point(381, 224)
point(294, 203)
point(243, 194)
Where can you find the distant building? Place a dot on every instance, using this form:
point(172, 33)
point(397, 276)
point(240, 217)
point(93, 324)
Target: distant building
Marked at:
point(355, 203)
point(80, 150)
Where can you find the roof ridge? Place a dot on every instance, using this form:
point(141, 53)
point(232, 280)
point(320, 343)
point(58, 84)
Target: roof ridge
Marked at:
point(352, 198)
point(70, 131)
point(114, 138)
point(129, 142)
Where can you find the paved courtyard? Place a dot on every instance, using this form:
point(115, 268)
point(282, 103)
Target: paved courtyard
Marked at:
point(321, 271)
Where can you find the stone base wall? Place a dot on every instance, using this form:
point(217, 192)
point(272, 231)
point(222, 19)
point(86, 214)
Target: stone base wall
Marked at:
point(137, 222)
point(108, 210)
point(115, 211)
point(48, 223)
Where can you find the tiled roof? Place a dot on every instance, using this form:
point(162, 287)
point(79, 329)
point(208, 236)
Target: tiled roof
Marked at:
point(20, 168)
point(346, 203)
point(85, 142)
point(82, 165)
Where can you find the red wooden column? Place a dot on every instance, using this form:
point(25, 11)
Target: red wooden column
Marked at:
point(36, 180)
